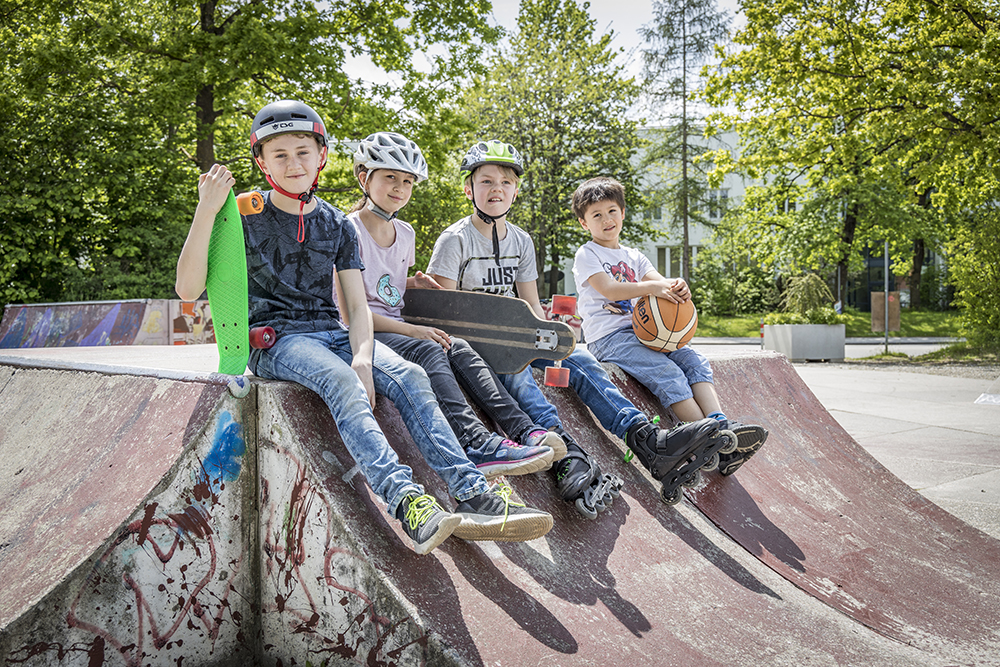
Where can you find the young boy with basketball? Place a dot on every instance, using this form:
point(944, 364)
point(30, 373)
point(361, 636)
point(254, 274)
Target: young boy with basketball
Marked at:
point(292, 248)
point(609, 278)
point(486, 252)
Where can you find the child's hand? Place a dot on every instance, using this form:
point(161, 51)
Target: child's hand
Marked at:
point(674, 290)
point(423, 281)
point(214, 187)
point(430, 333)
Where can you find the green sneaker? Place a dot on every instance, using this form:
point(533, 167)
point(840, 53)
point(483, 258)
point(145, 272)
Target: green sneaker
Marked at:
point(494, 516)
point(426, 522)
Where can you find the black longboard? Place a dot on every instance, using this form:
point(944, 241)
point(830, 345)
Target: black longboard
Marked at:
point(503, 330)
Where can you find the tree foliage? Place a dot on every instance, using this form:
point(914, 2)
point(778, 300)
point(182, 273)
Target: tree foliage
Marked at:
point(556, 93)
point(887, 110)
point(112, 108)
point(680, 41)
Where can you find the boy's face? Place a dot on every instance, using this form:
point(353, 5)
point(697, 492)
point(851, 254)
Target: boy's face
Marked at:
point(494, 190)
point(603, 220)
point(389, 189)
point(292, 161)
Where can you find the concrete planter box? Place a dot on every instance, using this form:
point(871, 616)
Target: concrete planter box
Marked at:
point(806, 342)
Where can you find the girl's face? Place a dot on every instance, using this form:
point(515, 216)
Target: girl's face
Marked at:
point(389, 189)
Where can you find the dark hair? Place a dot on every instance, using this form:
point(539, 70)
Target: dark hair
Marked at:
point(597, 190)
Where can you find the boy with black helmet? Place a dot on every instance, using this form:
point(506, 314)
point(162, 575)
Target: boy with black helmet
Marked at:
point(486, 252)
point(293, 246)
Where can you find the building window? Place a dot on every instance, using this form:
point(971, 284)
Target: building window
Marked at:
point(718, 202)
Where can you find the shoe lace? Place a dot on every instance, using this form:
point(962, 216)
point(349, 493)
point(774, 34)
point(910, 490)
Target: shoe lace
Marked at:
point(419, 510)
point(504, 491)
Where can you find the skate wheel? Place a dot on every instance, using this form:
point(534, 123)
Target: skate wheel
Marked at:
point(556, 376)
point(563, 305)
point(693, 480)
point(250, 203)
point(582, 508)
point(238, 386)
point(670, 498)
point(262, 338)
point(733, 441)
point(712, 463)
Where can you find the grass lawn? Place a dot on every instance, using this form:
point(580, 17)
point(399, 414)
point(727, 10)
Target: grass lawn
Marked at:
point(912, 323)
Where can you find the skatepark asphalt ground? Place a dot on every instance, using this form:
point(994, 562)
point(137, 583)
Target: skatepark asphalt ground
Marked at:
point(920, 422)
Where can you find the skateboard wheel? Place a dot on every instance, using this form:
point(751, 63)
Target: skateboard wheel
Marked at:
point(250, 203)
point(563, 305)
point(238, 386)
point(262, 338)
point(556, 376)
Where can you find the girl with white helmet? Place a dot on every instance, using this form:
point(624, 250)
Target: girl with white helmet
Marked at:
point(387, 166)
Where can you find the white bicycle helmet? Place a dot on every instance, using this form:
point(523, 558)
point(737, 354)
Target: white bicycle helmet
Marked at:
point(389, 150)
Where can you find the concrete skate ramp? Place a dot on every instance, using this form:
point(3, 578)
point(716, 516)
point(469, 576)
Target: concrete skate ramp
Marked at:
point(818, 509)
point(160, 520)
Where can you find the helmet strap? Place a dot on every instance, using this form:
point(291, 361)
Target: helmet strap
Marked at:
point(372, 206)
point(303, 197)
point(379, 211)
point(492, 222)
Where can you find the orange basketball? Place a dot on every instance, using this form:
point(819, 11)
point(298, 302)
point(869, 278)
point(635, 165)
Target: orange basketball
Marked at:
point(662, 325)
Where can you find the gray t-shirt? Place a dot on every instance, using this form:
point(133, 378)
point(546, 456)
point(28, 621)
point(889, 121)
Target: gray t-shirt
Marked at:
point(464, 255)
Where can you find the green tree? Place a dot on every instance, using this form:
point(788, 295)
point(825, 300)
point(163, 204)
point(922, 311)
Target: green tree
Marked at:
point(112, 108)
point(886, 109)
point(681, 40)
point(555, 91)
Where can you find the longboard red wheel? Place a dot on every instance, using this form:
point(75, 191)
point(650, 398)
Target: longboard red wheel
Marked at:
point(262, 338)
point(556, 376)
point(250, 203)
point(563, 305)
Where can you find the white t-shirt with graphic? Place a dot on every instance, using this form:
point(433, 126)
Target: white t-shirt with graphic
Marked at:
point(602, 316)
point(464, 255)
point(386, 268)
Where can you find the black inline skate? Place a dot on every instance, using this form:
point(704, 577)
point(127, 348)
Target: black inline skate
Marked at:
point(579, 480)
point(676, 457)
point(749, 437)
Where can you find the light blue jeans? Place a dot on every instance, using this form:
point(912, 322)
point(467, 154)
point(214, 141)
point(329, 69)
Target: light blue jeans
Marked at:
point(590, 381)
point(669, 375)
point(321, 362)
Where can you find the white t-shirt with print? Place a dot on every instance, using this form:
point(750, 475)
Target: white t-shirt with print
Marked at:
point(464, 255)
point(602, 316)
point(386, 268)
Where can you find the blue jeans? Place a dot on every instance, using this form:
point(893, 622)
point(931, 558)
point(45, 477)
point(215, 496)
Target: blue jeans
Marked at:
point(590, 381)
point(669, 375)
point(321, 362)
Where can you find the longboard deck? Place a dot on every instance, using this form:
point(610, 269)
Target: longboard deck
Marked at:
point(227, 289)
point(504, 331)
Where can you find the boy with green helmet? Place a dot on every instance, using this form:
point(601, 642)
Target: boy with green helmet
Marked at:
point(486, 252)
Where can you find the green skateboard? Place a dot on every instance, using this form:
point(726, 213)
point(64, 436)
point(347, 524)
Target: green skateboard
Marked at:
point(504, 331)
point(227, 282)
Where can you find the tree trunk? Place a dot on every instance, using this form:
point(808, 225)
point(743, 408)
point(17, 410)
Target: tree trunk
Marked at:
point(685, 203)
point(205, 101)
point(917, 266)
point(846, 243)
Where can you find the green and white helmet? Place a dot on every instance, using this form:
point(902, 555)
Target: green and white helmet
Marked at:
point(491, 152)
point(390, 150)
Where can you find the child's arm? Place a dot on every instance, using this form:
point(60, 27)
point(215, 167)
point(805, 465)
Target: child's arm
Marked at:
point(192, 265)
point(390, 325)
point(528, 291)
point(653, 284)
point(351, 293)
